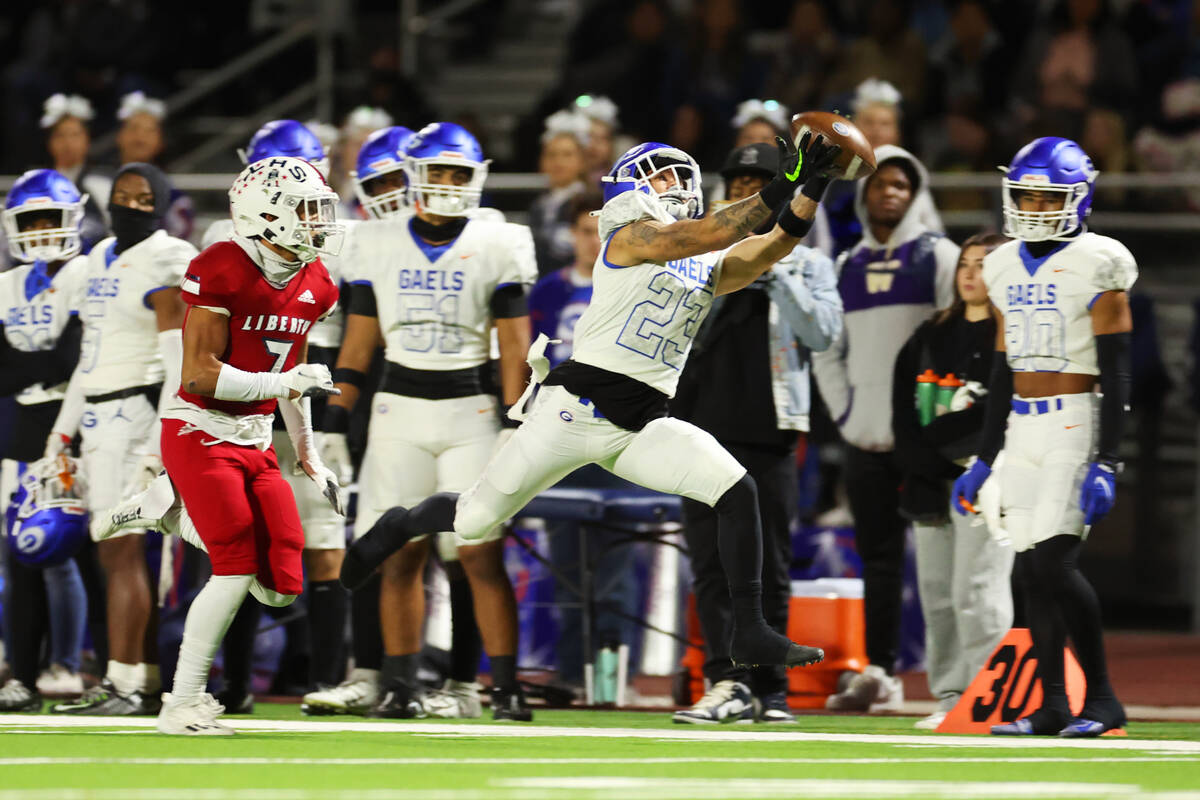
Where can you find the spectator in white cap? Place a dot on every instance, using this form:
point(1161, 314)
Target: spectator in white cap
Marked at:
point(759, 122)
point(65, 118)
point(358, 125)
point(564, 162)
point(140, 139)
point(601, 149)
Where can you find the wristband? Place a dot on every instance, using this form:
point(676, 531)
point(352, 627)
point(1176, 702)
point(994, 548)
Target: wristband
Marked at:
point(336, 419)
point(355, 377)
point(793, 225)
point(815, 188)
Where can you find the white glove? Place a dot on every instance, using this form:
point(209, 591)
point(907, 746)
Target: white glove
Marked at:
point(336, 455)
point(56, 445)
point(327, 482)
point(309, 380)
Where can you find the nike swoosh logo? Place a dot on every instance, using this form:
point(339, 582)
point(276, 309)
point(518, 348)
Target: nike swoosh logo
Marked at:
point(1068, 427)
point(791, 176)
point(1058, 270)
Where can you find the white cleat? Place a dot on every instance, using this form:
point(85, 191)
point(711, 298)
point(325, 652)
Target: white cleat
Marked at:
point(144, 511)
point(192, 716)
point(455, 700)
point(358, 694)
point(931, 722)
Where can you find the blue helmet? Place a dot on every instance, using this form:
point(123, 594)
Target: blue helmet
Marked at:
point(286, 137)
point(1053, 166)
point(43, 193)
point(444, 144)
point(382, 153)
point(633, 170)
point(47, 521)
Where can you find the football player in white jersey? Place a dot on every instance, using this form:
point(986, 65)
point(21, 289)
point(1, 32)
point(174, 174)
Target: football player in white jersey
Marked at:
point(1061, 293)
point(324, 529)
point(131, 312)
point(433, 284)
point(39, 345)
point(655, 280)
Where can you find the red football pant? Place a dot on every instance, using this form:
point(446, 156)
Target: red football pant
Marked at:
point(242, 507)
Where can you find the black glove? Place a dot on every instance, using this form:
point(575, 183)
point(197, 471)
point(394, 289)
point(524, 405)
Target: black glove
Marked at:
point(797, 167)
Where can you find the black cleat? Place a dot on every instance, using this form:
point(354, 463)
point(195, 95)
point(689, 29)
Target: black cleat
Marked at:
point(761, 646)
point(236, 701)
point(399, 702)
point(364, 556)
point(509, 704)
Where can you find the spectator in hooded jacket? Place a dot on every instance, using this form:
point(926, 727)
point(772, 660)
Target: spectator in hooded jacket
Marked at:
point(890, 282)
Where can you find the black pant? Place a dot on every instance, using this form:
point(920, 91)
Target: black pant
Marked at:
point(873, 489)
point(775, 473)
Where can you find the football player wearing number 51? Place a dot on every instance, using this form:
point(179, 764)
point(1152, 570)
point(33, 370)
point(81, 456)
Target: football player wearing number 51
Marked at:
point(655, 279)
point(1061, 293)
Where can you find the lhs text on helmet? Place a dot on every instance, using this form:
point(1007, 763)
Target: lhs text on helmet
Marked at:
point(285, 201)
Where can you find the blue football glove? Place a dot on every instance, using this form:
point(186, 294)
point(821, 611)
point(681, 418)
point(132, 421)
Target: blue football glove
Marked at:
point(966, 487)
point(1098, 493)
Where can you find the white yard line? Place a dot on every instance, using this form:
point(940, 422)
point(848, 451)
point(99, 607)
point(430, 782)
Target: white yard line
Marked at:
point(678, 734)
point(52, 761)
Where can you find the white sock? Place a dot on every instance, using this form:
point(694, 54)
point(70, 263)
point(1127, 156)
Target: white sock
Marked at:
point(207, 621)
point(151, 678)
point(124, 677)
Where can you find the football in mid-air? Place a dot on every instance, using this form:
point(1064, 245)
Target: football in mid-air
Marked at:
point(857, 159)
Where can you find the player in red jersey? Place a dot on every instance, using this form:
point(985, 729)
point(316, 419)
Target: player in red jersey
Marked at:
point(251, 302)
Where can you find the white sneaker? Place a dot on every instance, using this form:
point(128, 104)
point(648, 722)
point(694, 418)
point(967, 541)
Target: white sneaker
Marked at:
point(931, 722)
point(358, 694)
point(455, 700)
point(191, 716)
point(58, 681)
point(725, 701)
point(871, 690)
point(144, 511)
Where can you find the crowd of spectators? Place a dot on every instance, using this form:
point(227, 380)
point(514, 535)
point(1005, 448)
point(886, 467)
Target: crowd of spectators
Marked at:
point(976, 78)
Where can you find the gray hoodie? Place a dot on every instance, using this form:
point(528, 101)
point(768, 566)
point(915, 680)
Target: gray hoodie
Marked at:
point(887, 289)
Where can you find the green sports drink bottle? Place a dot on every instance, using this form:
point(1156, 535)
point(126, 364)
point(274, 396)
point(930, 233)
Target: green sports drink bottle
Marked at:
point(927, 386)
point(947, 387)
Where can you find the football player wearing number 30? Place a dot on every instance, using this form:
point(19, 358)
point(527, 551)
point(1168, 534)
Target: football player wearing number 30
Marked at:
point(1062, 295)
point(655, 279)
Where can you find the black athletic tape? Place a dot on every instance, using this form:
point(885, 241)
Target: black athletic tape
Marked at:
point(337, 419)
point(355, 377)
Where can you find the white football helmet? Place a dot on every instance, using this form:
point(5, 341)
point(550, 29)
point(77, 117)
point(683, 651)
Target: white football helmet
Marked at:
point(286, 201)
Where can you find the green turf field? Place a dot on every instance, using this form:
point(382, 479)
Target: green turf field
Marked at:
point(578, 754)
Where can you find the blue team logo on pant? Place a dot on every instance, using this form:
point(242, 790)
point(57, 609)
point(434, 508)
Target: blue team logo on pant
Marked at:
point(565, 416)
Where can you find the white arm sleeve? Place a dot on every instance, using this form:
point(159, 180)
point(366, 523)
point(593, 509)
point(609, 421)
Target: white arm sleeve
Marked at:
point(247, 387)
point(170, 344)
point(297, 418)
point(71, 410)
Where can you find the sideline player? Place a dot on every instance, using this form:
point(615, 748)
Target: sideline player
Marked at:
point(1062, 294)
point(39, 347)
point(655, 279)
point(252, 302)
point(128, 370)
point(324, 530)
point(434, 421)
point(381, 188)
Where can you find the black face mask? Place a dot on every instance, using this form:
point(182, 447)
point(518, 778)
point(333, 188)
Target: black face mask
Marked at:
point(131, 226)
